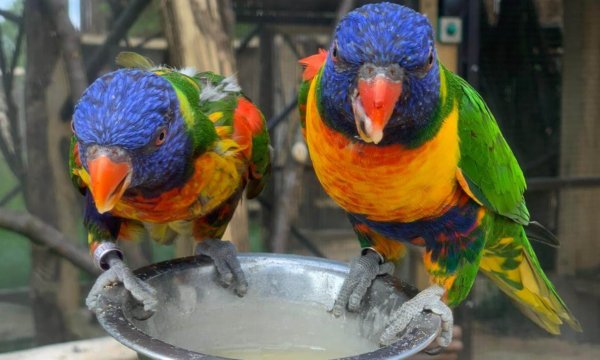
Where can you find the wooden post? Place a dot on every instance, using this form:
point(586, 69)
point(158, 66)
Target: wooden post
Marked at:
point(68, 221)
point(46, 271)
point(580, 131)
point(199, 34)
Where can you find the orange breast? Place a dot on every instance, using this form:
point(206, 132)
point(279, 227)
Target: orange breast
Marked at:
point(390, 183)
point(215, 179)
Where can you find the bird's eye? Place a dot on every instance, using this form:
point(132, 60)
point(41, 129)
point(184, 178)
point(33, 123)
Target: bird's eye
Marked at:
point(424, 69)
point(161, 137)
point(430, 60)
point(334, 51)
point(73, 126)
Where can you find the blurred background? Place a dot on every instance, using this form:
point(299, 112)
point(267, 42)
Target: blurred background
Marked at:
point(536, 63)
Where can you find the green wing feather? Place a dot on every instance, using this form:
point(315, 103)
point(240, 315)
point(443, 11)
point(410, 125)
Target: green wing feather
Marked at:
point(302, 100)
point(260, 158)
point(487, 163)
point(128, 59)
point(75, 165)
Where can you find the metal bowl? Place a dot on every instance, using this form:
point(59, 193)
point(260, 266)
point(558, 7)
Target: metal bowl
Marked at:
point(287, 302)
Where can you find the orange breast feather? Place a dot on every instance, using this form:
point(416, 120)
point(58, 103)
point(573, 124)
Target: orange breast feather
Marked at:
point(390, 183)
point(215, 179)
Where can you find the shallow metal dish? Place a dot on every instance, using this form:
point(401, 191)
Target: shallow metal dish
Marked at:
point(187, 287)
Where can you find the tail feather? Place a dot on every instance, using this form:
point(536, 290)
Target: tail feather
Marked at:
point(536, 231)
point(512, 265)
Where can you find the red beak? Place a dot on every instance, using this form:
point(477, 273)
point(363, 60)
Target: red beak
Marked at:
point(109, 180)
point(378, 97)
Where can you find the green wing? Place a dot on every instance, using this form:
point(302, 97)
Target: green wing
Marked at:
point(222, 95)
point(75, 166)
point(488, 166)
point(128, 59)
point(302, 99)
point(261, 163)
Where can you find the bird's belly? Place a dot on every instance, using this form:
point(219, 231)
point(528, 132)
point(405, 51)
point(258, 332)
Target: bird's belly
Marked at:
point(390, 183)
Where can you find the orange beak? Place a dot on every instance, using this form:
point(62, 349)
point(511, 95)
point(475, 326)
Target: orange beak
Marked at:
point(109, 180)
point(377, 96)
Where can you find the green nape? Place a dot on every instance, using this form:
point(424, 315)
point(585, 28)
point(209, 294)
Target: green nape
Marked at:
point(200, 129)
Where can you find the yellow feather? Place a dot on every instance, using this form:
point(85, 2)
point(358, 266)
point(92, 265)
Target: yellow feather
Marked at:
point(185, 108)
point(443, 86)
point(214, 117)
point(391, 183)
point(534, 299)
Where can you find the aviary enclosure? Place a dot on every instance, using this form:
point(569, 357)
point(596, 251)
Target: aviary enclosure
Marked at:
point(534, 62)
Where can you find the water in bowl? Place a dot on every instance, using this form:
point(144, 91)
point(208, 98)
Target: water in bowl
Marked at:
point(269, 328)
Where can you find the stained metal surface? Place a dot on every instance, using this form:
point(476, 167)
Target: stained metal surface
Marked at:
point(287, 277)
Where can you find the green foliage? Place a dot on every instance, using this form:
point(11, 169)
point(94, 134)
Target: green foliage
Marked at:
point(14, 254)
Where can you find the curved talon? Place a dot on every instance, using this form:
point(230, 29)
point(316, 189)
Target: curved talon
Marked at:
point(428, 300)
point(138, 289)
point(363, 270)
point(434, 351)
point(228, 267)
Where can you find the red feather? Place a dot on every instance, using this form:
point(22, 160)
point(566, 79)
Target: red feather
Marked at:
point(312, 64)
point(247, 122)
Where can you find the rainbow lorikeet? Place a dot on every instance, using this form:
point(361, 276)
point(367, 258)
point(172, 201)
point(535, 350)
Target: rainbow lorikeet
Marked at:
point(413, 155)
point(170, 152)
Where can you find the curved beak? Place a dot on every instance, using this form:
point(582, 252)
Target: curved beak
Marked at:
point(373, 102)
point(110, 173)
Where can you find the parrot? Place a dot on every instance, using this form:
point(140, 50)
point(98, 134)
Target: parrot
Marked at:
point(168, 153)
point(413, 155)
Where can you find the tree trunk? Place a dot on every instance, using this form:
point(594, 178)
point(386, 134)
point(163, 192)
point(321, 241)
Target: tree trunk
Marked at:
point(46, 273)
point(580, 131)
point(199, 33)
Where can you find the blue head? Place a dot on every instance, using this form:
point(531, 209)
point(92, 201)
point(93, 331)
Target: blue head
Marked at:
point(381, 78)
point(131, 135)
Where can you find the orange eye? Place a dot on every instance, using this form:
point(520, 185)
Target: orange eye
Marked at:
point(161, 137)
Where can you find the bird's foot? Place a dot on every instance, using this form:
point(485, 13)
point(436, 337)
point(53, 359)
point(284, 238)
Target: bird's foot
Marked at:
point(117, 273)
point(429, 299)
point(363, 270)
point(228, 267)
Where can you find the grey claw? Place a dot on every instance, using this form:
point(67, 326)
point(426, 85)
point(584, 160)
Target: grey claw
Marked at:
point(119, 273)
point(434, 351)
point(363, 270)
point(228, 267)
point(429, 300)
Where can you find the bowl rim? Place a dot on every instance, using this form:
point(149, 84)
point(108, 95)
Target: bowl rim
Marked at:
point(116, 324)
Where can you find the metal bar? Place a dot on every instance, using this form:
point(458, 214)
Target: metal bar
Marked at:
point(297, 233)
point(472, 70)
point(246, 40)
point(274, 121)
point(307, 243)
point(148, 38)
point(263, 16)
point(553, 183)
